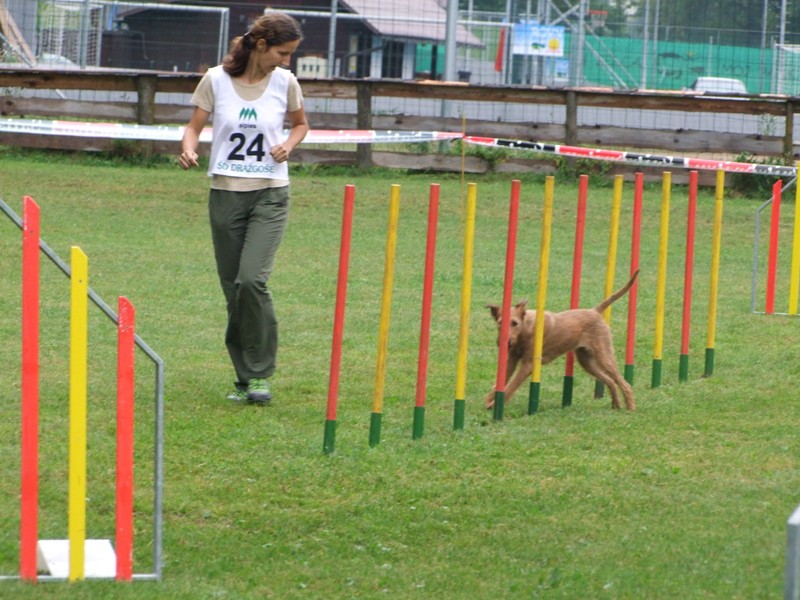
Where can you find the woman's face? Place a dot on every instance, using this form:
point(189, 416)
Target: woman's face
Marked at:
point(274, 56)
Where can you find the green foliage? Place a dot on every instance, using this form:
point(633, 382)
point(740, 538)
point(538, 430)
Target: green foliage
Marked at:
point(491, 154)
point(123, 153)
point(687, 497)
point(574, 167)
point(754, 186)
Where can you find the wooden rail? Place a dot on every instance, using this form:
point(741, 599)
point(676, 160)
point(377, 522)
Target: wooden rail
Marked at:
point(145, 110)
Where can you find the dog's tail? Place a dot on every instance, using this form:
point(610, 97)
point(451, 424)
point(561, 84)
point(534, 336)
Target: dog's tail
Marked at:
point(617, 295)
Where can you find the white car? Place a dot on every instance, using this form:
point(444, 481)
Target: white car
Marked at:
point(717, 86)
point(55, 61)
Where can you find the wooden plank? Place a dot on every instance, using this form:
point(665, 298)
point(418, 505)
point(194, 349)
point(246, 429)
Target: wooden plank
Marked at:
point(449, 163)
point(53, 108)
point(46, 79)
point(675, 142)
point(680, 143)
point(672, 142)
point(95, 78)
point(82, 144)
point(170, 82)
point(473, 93)
point(331, 88)
point(683, 103)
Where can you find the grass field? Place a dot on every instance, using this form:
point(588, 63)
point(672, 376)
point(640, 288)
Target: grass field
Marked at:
point(685, 498)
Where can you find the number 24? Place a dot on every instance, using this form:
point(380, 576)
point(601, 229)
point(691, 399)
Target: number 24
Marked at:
point(256, 147)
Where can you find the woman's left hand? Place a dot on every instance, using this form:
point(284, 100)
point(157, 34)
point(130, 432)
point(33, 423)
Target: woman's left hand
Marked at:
point(279, 153)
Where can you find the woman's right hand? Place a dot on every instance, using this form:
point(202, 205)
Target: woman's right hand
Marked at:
point(187, 159)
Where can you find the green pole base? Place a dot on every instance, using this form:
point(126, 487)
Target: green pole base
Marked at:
point(533, 397)
point(709, 362)
point(419, 422)
point(629, 374)
point(566, 395)
point(458, 414)
point(683, 368)
point(375, 429)
point(655, 381)
point(329, 440)
point(599, 389)
point(499, 401)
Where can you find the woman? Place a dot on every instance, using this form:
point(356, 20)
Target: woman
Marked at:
point(250, 97)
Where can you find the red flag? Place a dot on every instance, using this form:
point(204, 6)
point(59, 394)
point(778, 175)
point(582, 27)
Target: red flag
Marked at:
point(501, 46)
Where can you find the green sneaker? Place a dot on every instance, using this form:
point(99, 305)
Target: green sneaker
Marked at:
point(239, 394)
point(258, 392)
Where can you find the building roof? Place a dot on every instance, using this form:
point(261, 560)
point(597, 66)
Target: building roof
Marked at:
point(422, 20)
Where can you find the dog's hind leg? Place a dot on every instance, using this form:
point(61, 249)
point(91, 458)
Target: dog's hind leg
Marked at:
point(607, 363)
point(594, 367)
point(627, 391)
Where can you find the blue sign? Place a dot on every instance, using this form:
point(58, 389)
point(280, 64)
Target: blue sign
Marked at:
point(532, 39)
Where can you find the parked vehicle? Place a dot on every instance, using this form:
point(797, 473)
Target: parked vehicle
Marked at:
point(718, 85)
point(55, 61)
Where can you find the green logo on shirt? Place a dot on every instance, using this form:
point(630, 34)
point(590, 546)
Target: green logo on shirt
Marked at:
point(248, 113)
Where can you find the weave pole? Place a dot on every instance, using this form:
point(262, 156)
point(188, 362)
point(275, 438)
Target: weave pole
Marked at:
point(683, 365)
point(611, 260)
point(79, 309)
point(716, 248)
point(613, 241)
point(794, 284)
point(29, 475)
point(53, 557)
point(126, 327)
point(425, 322)
point(386, 309)
point(575, 295)
point(329, 437)
point(661, 286)
point(466, 293)
point(541, 297)
point(630, 342)
point(772, 261)
point(505, 311)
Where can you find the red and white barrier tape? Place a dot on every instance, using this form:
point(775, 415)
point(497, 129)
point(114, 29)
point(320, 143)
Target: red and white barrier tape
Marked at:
point(653, 160)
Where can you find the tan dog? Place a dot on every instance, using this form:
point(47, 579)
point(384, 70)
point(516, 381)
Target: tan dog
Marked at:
point(580, 330)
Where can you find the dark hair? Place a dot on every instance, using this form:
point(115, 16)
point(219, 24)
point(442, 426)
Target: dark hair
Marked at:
point(275, 28)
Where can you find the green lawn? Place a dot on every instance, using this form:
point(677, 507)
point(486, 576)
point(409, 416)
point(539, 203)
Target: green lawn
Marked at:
point(685, 498)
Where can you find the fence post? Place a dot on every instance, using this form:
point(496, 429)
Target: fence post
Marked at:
point(146, 106)
point(571, 119)
point(364, 121)
point(788, 137)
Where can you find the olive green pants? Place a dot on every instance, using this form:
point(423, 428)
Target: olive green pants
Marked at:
point(246, 229)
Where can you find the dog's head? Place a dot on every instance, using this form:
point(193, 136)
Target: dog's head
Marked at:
point(516, 319)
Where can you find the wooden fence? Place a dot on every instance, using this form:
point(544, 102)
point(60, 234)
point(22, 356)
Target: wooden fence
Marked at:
point(146, 110)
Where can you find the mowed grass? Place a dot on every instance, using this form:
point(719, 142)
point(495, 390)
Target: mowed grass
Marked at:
point(685, 498)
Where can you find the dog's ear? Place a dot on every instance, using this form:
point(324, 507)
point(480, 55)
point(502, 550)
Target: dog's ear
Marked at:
point(521, 305)
point(495, 310)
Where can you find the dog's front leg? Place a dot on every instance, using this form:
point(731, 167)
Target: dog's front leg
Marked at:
point(523, 373)
point(511, 366)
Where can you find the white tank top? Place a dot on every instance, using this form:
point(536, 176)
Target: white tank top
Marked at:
point(244, 132)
